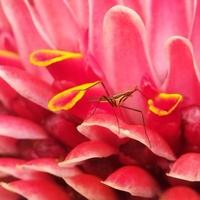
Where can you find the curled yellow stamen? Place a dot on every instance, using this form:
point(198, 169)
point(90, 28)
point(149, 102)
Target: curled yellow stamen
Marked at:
point(46, 57)
point(9, 54)
point(162, 112)
point(76, 93)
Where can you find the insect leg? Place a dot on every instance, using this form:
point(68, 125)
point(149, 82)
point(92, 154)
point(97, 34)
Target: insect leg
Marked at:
point(143, 121)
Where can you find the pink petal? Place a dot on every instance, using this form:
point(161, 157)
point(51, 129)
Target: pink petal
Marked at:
point(11, 166)
point(88, 150)
point(136, 132)
point(180, 192)
point(195, 33)
point(81, 17)
point(91, 187)
point(27, 85)
point(37, 189)
point(139, 6)
point(134, 180)
point(97, 10)
point(56, 17)
point(186, 167)
point(7, 94)
point(8, 146)
point(124, 57)
point(175, 18)
point(6, 195)
point(20, 128)
point(50, 165)
point(180, 68)
point(65, 131)
point(22, 26)
point(7, 40)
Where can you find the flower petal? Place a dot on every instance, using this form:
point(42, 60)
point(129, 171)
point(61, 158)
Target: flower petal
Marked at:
point(10, 166)
point(6, 195)
point(91, 187)
point(20, 128)
point(88, 150)
point(124, 57)
point(136, 132)
point(22, 25)
point(8, 146)
point(174, 15)
point(64, 131)
point(27, 85)
point(181, 68)
point(81, 17)
point(186, 167)
point(37, 189)
point(97, 10)
point(50, 165)
point(55, 17)
point(194, 37)
point(180, 192)
point(134, 180)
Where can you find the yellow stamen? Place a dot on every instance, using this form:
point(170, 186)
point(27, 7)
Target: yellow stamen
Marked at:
point(50, 56)
point(9, 54)
point(80, 91)
point(164, 96)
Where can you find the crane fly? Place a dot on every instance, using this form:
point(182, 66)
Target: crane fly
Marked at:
point(117, 100)
point(67, 99)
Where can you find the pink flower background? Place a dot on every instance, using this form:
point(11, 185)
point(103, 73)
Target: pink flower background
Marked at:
point(93, 150)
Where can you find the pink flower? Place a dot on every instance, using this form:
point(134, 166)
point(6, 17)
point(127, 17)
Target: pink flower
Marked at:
point(99, 99)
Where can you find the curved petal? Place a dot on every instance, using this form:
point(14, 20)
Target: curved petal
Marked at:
point(175, 18)
point(125, 55)
point(139, 6)
point(88, 150)
point(182, 69)
point(180, 192)
point(91, 187)
point(56, 18)
point(37, 189)
point(81, 17)
point(6, 195)
point(186, 167)
point(134, 180)
point(27, 85)
point(194, 37)
point(136, 132)
point(97, 10)
point(20, 128)
point(50, 165)
point(26, 34)
point(8, 146)
point(10, 166)
point(65, 131)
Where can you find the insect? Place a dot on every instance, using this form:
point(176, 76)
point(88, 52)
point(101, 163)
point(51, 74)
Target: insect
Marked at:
point(117, 100)
point(67, 99)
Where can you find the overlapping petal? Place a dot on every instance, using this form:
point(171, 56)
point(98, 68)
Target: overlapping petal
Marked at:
point(186, 167)
point(133, 180)
point(20, 128)
point(91, 187)
point(37, 189)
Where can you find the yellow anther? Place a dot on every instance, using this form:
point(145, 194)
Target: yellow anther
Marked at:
point(76, 93)
point(46, 57)
point(9, 54)
point(165, 96)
